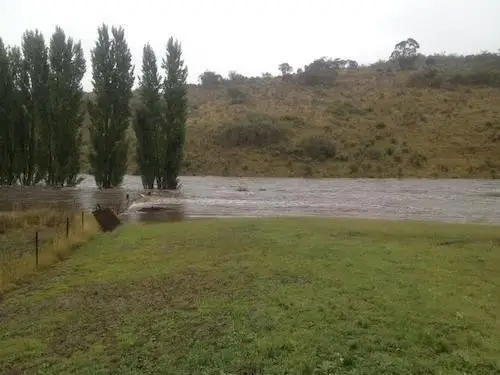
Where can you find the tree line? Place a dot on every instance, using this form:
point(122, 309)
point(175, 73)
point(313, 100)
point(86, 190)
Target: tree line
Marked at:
point(322, 71)
point(42, 111)
point(405, 56)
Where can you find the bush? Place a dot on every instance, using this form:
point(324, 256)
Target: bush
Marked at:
point(374, 154)
point(236, 77)
point(317, 147)
point(477, 78)
point(236, 95)
point(382, 66)
point(353, 168)
point(407, 62)
point(345, 109)
point(435, 79)
point(321, 72)
point(425, 78)
point(417, 159)
point(210, 79)
point(293, 120)
point(255, 130)
point(495, 135)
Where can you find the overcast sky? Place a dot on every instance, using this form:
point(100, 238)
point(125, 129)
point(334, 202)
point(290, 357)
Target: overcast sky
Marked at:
point(254, 36)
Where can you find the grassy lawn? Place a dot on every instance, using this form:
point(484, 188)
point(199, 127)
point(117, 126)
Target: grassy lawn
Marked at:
point(273, 296)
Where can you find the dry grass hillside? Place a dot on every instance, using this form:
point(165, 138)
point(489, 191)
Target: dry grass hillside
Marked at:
point(370, 124)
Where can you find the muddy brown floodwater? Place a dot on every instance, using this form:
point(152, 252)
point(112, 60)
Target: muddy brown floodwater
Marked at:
point(452, 200)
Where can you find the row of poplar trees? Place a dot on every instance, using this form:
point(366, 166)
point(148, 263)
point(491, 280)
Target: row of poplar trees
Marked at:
point(40, 97)
point(42, 111)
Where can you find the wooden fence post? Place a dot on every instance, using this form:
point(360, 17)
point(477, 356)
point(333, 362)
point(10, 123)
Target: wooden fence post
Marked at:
point(36, 249)
point(67, 227)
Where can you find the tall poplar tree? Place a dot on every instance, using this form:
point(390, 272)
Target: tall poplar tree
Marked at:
point(174, 126)
point(39, 148)
point(67, 68)
point(7, 173)
point(147, 121)
point(22, 130)
point(112, 78)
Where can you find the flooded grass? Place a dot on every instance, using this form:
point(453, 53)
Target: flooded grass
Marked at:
point(268, 296)
point(18, 240)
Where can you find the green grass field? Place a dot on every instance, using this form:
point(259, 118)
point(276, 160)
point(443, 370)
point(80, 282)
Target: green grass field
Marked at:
point(273, 296)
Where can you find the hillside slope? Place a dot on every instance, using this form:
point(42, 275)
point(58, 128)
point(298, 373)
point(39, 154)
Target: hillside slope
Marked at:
point(371, 124)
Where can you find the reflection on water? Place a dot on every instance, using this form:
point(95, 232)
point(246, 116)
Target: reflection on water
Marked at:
point(447, 200)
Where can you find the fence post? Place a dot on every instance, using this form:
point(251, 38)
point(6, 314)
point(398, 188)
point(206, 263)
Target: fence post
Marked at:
point(67, 227)
point(83, 219)
point(36, 249)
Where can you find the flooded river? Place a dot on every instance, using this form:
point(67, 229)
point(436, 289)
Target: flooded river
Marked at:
point(446, 200)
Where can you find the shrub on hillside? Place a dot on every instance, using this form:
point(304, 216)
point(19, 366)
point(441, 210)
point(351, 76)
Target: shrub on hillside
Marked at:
point(236, 95)
point(494, 134)
point(383, 66)
point(210, 79)
point(317, 147)
point(483, 61)
point(417, 159)
point(476, 78)
point(236, 77)
point(255, 130)
point(436, 79)
point(321, 72)
point(426, 78)
point(346, 108)
point(293, 120)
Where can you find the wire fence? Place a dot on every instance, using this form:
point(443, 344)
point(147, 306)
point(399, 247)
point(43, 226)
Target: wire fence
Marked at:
point(30, 241)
